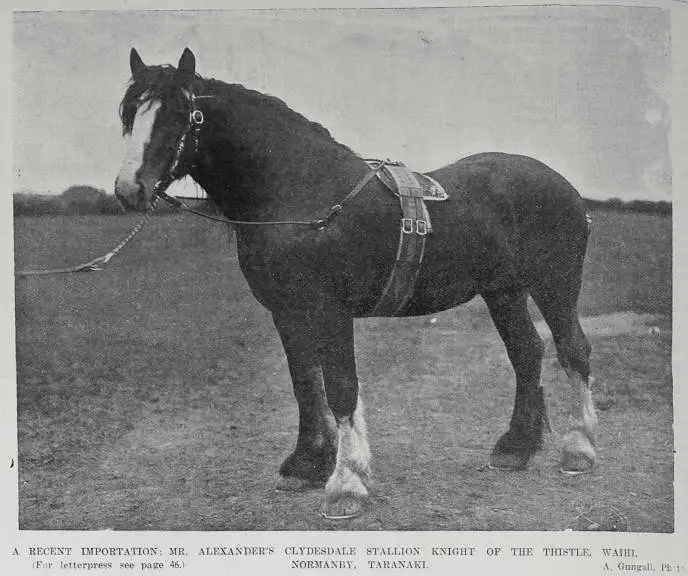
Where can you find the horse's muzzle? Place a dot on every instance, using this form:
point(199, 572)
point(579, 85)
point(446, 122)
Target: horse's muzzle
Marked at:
point(132, 196)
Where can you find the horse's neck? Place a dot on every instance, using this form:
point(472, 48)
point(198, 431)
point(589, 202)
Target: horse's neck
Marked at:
point(263, 162)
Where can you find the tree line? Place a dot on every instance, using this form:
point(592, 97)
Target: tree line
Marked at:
point(75, 200)
point(88, 200)
point(618, 205)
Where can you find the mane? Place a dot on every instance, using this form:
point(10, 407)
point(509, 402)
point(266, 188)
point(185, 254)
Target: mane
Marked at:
point(282, 108)
point(160, 83)
point(225, 92)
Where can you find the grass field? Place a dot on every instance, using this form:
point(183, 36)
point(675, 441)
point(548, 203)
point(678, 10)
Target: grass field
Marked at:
point(154, 395)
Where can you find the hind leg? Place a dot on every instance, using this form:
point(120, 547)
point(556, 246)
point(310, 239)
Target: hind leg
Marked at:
point(573, 350)
point(510, 314)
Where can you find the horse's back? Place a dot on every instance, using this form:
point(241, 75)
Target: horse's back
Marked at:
point(500, 180)
point(510, 220)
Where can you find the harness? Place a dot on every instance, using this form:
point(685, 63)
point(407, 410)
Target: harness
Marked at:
point(414, 224)
point(193, 128)
point(414, 228)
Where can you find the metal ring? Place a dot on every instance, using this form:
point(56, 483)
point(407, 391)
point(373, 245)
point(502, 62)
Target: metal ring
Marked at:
point(197, 117)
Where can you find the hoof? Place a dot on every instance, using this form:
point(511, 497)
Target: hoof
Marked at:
point(566, 472)
point(578, 454)
point(515, 447)
point(508, 462)
point(294, 484)
point(343, 508)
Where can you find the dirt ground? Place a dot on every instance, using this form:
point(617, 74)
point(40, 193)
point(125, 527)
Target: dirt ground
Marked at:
point(155, 395)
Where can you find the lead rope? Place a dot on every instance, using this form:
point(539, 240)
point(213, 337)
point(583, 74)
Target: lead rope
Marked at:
point(99, 263)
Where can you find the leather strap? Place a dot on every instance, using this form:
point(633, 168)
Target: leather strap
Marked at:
point(415, 225)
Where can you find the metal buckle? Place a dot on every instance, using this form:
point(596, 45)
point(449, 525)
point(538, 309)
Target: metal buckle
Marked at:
point(197, 117)
point(421, 227)
point(407, 225)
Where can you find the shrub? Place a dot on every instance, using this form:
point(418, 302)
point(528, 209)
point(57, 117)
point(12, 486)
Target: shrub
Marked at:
point(618, 205)
point(74, 200)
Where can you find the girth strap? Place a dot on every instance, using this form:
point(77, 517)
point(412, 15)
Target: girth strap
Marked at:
point(415, 225)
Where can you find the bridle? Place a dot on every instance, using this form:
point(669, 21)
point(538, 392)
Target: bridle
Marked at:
point(195, 120)
point(192, 129)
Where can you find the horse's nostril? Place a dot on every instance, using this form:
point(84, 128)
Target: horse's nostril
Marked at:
point(127, 193)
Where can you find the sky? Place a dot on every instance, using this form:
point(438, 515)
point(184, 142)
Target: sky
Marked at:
point(584, 89)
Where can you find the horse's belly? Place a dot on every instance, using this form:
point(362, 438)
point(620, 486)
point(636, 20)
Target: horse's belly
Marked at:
point(436, 297)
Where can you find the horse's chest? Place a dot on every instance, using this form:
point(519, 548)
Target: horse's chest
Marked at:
point(284, 271)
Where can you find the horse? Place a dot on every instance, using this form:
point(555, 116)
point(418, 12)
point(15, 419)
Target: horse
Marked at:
point(317, 235)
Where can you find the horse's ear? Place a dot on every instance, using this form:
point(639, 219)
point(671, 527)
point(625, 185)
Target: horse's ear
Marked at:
point(135, 62)
point(187, 65)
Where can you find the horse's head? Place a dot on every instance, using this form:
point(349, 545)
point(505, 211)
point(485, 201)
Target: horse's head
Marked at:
point(158, 121)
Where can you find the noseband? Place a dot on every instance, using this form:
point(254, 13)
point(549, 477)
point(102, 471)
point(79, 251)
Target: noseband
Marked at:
point(195, 121)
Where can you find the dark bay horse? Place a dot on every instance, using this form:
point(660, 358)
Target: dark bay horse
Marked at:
point(512, 228)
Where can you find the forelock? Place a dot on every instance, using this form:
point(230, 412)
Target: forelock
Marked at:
point(154, 83)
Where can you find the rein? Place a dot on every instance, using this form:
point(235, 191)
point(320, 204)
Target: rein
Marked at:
point(193, 126)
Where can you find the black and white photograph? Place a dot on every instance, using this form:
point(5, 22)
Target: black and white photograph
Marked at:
point(377, 269)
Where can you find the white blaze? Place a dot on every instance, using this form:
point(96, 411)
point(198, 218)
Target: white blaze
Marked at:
point(137, 140)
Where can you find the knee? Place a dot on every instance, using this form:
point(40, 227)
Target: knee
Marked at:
point(308, 390)
point(528, 356)
point(581, 366)
point(575, 356)
point(342, 401)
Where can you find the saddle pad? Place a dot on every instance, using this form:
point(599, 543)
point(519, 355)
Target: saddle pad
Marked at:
point(431, 189)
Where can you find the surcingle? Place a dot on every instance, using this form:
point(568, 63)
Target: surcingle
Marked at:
point(412, 189)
